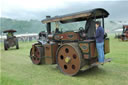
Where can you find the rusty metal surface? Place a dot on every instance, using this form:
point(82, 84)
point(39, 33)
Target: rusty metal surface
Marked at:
point(69, 59)
point(67, 36)
point(106, 46)
point(93, 49)
point(50, 53)
point(36, 55)
point(84, 47)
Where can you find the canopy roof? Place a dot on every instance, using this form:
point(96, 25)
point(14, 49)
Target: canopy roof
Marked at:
point(79, 16)
point(10, 30)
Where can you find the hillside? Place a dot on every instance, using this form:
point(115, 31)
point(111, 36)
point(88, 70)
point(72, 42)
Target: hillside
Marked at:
point(32, 26)
point(35, 26)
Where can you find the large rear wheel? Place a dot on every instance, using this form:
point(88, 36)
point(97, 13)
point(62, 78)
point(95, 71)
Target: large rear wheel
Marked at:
point(69, 59)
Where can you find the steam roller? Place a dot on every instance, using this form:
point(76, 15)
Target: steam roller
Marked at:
point(70, 50)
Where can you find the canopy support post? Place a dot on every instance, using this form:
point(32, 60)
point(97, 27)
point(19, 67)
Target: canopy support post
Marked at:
point(103, 21)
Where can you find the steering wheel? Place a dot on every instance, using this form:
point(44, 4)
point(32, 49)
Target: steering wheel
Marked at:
point(82, 32)
point(81, 29)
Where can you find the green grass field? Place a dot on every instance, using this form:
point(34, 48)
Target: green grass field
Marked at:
point(17, 69)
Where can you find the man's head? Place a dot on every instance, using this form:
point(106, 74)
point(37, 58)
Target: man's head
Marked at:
point(98, 23)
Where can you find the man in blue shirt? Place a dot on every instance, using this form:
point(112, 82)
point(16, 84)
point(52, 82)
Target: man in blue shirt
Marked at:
point(100, 42)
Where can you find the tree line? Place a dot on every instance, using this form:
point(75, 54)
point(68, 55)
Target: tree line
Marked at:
point(21, 26)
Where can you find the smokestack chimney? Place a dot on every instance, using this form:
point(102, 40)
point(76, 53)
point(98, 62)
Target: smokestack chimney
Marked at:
point(48, 25)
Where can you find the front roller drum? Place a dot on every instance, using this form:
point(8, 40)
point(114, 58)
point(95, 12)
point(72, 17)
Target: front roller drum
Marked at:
point(69, 59)
point(36, 54)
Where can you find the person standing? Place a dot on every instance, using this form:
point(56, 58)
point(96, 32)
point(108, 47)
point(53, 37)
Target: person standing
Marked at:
point(100, 42)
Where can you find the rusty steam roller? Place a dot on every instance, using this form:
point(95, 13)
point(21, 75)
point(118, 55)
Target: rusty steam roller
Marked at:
point(70, 50)
point(124, 35)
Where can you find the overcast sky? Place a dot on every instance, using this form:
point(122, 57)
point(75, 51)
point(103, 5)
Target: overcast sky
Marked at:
point(38, 9)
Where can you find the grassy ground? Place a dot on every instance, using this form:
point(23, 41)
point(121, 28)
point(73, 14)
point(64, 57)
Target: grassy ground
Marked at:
point(17, 69)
